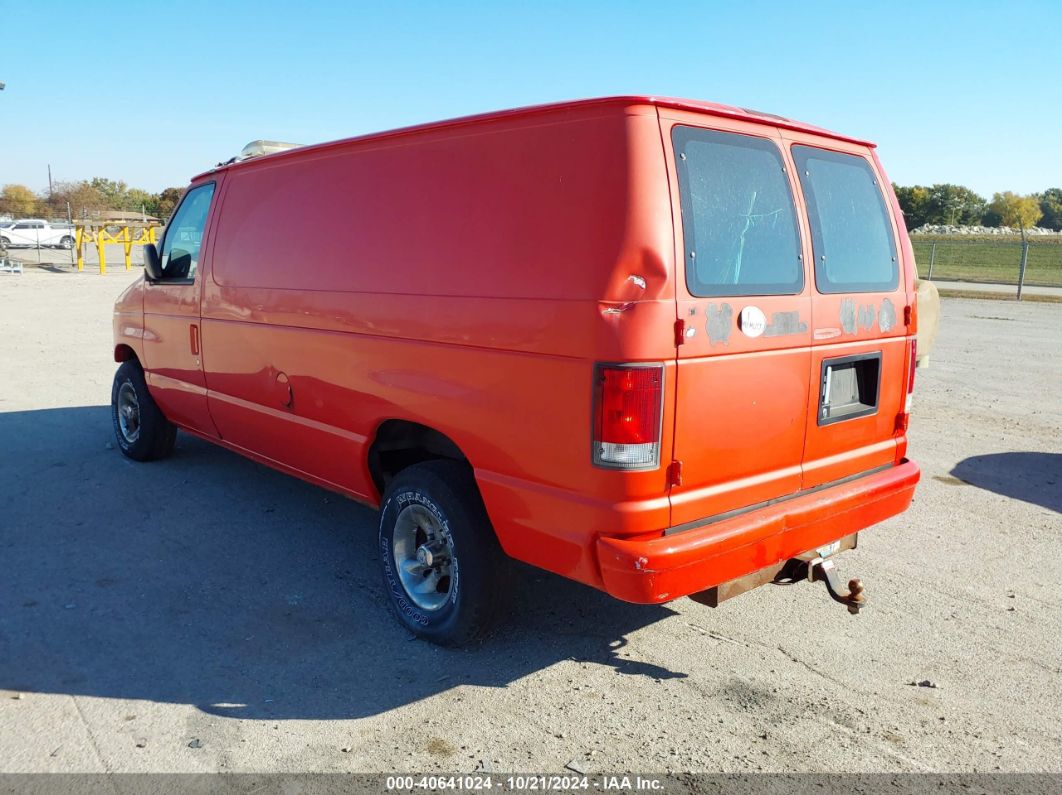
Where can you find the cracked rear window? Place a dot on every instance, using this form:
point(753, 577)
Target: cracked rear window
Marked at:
point(855, 250)
point(738, 219)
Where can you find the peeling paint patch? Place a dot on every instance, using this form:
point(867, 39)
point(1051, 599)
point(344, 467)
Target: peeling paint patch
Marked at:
point(720, 321)
point(785, 323)
point(867, 315)
point(848, 316)
point(887, 316)
point(639, 564)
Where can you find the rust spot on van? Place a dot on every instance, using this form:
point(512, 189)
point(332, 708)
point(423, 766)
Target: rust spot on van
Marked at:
point(720, 321)
point(867, 315)
point(784, 323)
point(887, 315)
point(848, 315)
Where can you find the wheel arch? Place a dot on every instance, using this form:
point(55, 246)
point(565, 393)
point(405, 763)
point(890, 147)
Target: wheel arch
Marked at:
point(398, 444)
point(125, 353)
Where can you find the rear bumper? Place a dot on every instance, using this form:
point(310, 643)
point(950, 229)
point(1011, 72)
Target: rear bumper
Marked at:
point(683, 562)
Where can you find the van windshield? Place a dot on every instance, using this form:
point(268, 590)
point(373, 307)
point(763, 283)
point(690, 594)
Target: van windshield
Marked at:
point(738, 218)
point(855, 250)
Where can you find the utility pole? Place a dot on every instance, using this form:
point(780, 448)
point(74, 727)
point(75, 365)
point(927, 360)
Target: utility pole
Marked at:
point(49, 183)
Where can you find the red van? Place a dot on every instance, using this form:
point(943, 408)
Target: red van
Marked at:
point(662, 347)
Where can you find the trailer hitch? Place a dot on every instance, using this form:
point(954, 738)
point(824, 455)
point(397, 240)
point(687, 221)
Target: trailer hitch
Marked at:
point(822, 570)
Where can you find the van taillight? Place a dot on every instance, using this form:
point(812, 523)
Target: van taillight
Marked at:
point(627, 411)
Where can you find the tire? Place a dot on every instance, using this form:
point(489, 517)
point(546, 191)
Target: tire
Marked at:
point(66, 243)
point(140, 428)
point(469, 568)
point(5, 243)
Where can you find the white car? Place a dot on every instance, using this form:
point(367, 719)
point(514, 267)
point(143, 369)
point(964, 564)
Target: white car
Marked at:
point(36, 232)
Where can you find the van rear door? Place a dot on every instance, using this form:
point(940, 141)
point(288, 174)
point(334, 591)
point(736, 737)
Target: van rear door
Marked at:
point(859, 346)
point(744, 316)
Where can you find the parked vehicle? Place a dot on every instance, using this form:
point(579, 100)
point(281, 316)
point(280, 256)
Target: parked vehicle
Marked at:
point(662, 347)
point(36, 232)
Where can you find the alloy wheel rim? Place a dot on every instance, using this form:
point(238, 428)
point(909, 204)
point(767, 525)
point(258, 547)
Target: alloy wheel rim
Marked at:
point(423, 555)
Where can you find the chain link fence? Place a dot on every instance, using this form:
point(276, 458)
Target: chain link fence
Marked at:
point(25, 240)
point(1037, 262)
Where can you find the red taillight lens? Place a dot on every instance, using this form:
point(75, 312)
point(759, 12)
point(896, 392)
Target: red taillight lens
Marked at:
point(628, 402)
point(913, 365)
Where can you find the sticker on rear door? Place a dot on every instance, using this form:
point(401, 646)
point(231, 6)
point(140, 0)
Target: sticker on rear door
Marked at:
point(752, 321)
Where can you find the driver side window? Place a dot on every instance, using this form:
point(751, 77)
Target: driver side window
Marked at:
point(184, 235)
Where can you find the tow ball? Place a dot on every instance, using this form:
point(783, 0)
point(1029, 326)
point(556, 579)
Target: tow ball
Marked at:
point(822, 570)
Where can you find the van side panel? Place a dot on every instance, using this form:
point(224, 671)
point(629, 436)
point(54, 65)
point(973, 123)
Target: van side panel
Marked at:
point(464, 278)
point(521, 210)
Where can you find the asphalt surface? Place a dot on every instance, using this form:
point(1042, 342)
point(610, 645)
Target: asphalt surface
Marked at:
point(205, 613)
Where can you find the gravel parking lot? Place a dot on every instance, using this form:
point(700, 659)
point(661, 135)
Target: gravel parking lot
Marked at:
point(205, 613)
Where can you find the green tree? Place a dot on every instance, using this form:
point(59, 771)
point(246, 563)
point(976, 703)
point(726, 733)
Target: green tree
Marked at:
point(953, 204)
point(914, 201)
point(138, 200)
point(18, 200)
point(1051, 207)
point(991, 217)
point(1014, 210)
point(167, 201)
point(114, 192)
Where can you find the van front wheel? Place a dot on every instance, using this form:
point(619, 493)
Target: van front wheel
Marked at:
point(140, 428)
point(443, 568)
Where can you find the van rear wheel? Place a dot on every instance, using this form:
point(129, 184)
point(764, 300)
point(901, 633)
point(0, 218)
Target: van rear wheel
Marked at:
point(140, 428)
point(442, 566)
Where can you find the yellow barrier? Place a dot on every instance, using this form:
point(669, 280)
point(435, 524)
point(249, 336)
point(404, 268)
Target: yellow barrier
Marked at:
point(127, 236)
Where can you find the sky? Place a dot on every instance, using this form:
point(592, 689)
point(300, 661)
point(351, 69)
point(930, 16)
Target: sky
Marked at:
point(153, 93)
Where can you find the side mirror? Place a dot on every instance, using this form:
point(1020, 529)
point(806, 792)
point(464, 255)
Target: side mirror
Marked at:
point(152, 264)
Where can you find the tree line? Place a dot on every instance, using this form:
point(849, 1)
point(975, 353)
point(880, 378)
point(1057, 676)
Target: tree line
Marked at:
point(86, 199)
point(956, 205)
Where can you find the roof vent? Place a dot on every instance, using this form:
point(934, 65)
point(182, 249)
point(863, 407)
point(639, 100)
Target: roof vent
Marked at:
point(259, 148)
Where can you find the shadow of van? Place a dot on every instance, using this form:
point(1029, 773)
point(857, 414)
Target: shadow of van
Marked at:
point(207, 579)
point(1027, 476)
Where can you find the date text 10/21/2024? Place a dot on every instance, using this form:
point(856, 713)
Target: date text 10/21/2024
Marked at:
point(524, 783)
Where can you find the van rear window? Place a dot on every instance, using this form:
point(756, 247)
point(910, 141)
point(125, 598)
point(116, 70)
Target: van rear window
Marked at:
point(738, 218)
point(855, 250)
